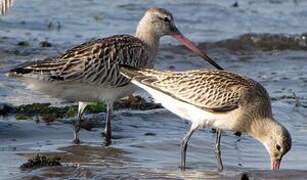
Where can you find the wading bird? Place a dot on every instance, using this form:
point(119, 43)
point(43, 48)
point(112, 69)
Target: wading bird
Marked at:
point(90, 72)
point(216, 99)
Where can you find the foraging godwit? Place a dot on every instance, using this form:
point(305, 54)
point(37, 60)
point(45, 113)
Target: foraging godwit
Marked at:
point(5, 5)
point(90, 71)
point(216, 99)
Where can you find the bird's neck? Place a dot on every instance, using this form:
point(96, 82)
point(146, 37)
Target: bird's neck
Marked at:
point(146, 33)
point(261, 128)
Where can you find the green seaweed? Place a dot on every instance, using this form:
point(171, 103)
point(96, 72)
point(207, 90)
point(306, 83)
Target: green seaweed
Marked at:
point(39, 161)
point(72, 111)
point(23, 44)
point(20, 117)
point(47, 112)
point(50, 113)
point(96, 107)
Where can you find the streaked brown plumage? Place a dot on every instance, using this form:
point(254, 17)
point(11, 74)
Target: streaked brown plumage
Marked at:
point(210, 90)
point(90, 71)
point(95, 62)
point(216, 99)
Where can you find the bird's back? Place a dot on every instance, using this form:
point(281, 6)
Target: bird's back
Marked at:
point(94, 62)
point(211, 90)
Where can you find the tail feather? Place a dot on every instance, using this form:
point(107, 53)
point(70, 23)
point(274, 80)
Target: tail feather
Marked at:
point(132, 72)
point(27, 67)
point(144, 76)
point(19, 70)
point(128, 71)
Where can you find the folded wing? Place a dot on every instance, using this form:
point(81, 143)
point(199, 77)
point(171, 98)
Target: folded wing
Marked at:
point(95, 62)
point(216, 91)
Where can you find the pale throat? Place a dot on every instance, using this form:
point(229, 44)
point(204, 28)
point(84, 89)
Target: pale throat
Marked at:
point(146, 33)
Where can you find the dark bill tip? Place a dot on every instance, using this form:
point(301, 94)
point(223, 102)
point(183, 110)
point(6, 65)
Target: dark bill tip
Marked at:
point(190, 45)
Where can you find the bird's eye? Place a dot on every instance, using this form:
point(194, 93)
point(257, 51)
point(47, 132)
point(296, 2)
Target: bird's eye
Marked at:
point(278, 147)
point(166, 19)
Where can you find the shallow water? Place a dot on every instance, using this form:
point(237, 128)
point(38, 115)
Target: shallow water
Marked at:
point(279, 66)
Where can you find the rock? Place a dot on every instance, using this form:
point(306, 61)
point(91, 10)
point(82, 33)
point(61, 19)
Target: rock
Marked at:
point(244, 176)
point(39, 161)
point(235, 4)
point(23, 44)
point(237, 133)
point(45, 44)
point(149, 134)
point(5, 109)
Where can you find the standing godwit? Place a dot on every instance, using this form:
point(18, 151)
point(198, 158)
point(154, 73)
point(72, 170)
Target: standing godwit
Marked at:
point(216, 99)
point(90, 71)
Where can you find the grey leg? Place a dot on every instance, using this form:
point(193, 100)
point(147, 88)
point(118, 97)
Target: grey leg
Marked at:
point(218, 149)
point(184, 146)
point(108, 126)
point(77, 125)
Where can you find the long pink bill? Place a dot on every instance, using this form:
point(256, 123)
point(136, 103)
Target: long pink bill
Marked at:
point(185, 41)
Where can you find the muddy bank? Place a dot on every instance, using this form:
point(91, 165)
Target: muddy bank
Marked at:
point(145, 146)
point(77, 160)
point(261, 42)
point(49, 113)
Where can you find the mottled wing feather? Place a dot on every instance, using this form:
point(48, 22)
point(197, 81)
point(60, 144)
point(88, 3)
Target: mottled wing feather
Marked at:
point(95, 62)
point(216, 91)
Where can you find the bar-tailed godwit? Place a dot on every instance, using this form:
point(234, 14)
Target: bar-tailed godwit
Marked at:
point(216, 99)
point(90, 71)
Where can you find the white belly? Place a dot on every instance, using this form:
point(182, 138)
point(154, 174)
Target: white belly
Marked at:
point(80, 91)
point(197, 116)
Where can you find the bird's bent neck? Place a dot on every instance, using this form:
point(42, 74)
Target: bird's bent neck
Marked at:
point(146, 33)
point(261, 128)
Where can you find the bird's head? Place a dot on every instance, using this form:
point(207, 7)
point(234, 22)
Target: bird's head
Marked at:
point(160, 22)
point(278, 143)
point(276, 139)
